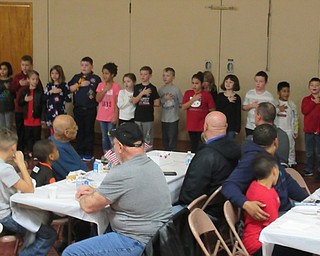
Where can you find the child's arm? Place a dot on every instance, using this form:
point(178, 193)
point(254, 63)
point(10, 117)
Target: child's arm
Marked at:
point(307, 106)
point(156, 103)
point(188, 104)
point(24, 184)
point(137, 98)
point(246, 103)
point(66, 93)
point(121, 101)
point(24, 98)
point(250, 106)
point(100, 94)
point(115, 118)
point(295, 121)
point(238, 114)
point(155, 96)
point(77, 82)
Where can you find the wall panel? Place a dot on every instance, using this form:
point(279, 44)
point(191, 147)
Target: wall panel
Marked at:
point(181, 34)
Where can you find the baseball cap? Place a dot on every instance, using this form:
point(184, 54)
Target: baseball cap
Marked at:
point(129, 134)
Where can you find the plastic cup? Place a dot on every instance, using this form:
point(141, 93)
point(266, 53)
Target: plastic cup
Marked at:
point(81, 180)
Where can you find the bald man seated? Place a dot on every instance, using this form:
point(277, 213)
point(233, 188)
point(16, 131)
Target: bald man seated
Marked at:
point(212, 164)
point(65, 130)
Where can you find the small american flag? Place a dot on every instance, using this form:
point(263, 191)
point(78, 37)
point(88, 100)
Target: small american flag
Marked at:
point(111, 157)
point(147, 147)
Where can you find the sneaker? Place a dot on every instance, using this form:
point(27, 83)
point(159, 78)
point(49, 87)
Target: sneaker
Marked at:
point(87, 158)
point(306, 173)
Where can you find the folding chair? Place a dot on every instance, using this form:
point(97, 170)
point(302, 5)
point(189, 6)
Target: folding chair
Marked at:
point(299, 179)
point(206, 234)
point(232, 215)
point(197, 203)
point(213, 198)
point(9, 244)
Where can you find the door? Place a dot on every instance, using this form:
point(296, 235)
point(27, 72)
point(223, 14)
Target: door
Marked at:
point(16, 32)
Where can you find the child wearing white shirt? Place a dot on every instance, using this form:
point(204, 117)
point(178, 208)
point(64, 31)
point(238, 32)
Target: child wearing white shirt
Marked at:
point(254, 97)
point(287, 118)
point(125, 105)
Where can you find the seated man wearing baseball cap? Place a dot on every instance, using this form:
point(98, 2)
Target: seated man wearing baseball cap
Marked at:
point(137, 193)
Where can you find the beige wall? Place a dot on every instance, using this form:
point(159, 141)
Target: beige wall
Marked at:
point(182, 34)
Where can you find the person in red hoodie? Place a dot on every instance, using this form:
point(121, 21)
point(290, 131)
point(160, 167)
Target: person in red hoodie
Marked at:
point(19, 83)
point(310, 108)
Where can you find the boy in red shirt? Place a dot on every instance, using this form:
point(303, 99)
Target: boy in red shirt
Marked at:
point(266, 171)
point(310, 108)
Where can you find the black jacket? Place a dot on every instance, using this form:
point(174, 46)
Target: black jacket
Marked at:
point(209, 168)
point(38, 104)
point(174, 238)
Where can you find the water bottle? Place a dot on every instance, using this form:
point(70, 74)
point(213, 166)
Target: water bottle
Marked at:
point(188, 158)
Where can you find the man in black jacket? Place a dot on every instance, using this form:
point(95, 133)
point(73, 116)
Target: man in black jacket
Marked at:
point(212, 164)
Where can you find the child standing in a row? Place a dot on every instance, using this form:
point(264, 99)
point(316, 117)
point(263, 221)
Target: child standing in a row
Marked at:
point(310, 108)
point(254, 97)
point(56, 95)
point(125, 105)
point(287, 118)
point(171, 99)
point(84, 86)
point(198, 103)
point(229, 103)
point(108, 113)
point(19, 83)
point(146, 97)
point(31, 99)
point(6, 96)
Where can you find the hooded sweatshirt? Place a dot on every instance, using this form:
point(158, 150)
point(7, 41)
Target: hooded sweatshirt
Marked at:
point(238, 182)
point(209, 168)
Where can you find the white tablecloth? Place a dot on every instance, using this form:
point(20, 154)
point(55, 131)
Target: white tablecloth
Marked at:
point(65, 203)
point(299, 228)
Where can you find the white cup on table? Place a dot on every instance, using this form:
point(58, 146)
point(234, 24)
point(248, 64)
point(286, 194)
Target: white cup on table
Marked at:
point(52, 192)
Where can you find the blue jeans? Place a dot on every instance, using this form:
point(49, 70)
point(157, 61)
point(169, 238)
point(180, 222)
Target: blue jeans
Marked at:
point(108, 244)
point(312, 142)
point(6, 119)
point(170, 135)
point(106, 127)
point(45, 237)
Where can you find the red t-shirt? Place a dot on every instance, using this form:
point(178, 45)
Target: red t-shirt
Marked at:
point(253, 228)
point(311, 112)
point(198, 110)
point(29, 120)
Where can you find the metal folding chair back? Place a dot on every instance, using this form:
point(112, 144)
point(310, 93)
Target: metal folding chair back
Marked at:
point(206, 234)
point(232, 215)
point(197, 203)
point(299, 179)
point(212, 198)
